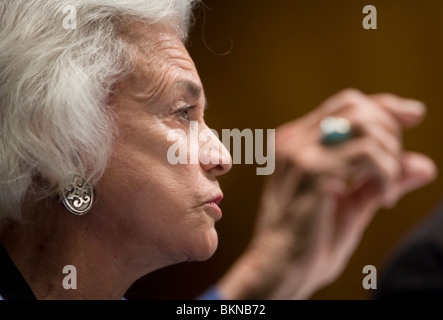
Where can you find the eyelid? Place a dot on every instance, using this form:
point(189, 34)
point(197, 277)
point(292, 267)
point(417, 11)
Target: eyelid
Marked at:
point(187, 107)
point(184, 106)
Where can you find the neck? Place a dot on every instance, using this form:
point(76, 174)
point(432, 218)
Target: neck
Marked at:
point(104, 263)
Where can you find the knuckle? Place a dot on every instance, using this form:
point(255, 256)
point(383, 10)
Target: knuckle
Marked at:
point(383, 161)
point(360, 115)
point(389, 167)
point(388, 98)
point(397, 168)
point(351, 95)
point(368, 147)
point(304, 160)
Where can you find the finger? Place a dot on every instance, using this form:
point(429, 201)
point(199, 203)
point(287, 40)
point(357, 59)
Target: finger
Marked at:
point(370, 157)
point(352, 98)
point(387, 141)
point(419, 170)
point(377, 124)
point(367, 115)
point(343, 99)
point(332, 105)
point(408, 112)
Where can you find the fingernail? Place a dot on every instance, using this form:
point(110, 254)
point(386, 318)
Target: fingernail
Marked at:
point(416, 107)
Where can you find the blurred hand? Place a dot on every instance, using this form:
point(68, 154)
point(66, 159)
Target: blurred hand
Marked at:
point(320, 199)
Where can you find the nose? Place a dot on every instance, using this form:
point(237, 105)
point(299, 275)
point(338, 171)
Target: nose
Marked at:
point(214, 157)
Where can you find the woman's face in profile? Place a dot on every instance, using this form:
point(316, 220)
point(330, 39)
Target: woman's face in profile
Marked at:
point(162, 209)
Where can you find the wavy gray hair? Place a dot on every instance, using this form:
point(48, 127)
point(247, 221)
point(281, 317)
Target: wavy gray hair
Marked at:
point(54, 84)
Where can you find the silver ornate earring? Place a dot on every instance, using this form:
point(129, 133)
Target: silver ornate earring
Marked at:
point(77, 195)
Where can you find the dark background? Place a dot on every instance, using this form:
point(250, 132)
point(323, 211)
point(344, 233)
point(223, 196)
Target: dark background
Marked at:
point(265, 62)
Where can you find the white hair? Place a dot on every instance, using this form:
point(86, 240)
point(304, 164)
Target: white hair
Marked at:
point(53, 88)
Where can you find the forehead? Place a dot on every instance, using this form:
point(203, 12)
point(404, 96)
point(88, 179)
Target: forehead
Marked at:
point(160, 58)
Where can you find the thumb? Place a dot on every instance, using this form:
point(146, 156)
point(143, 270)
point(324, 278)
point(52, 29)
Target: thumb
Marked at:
point(418, 171)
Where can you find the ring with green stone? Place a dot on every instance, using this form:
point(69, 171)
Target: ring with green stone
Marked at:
point(335, 130)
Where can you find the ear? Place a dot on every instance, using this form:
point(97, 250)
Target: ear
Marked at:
point(111, 99)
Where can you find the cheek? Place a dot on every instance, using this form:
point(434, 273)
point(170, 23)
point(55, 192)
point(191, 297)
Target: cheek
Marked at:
point(146, 181)
point(156, 204)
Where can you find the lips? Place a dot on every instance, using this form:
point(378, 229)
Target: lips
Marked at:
point(216, 200)
point(213, 204)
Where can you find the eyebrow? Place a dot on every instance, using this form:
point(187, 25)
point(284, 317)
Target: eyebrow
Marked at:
point(192, 88)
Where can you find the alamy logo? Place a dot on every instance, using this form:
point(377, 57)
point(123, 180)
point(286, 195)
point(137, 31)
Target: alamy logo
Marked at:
point(203, 146)
point(70, 20)
point(370, 281)
point(370, 21)
point(70, 280)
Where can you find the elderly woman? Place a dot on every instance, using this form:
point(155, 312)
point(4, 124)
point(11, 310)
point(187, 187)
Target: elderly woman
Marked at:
point(85, 181)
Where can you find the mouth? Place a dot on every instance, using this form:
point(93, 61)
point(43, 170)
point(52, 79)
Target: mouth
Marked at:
point(216, 200)
point(213, 204)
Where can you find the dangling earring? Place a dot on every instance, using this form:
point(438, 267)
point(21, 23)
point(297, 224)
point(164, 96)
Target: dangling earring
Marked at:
point(77, 195)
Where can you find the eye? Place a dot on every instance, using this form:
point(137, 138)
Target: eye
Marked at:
point(185, 112)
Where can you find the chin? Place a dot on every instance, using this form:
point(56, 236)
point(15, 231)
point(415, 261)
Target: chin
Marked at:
point(205, 246)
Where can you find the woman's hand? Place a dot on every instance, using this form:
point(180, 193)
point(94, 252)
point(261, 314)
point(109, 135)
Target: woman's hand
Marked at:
point(317, 204)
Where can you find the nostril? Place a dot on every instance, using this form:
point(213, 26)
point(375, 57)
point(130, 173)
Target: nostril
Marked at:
point(220, 169)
